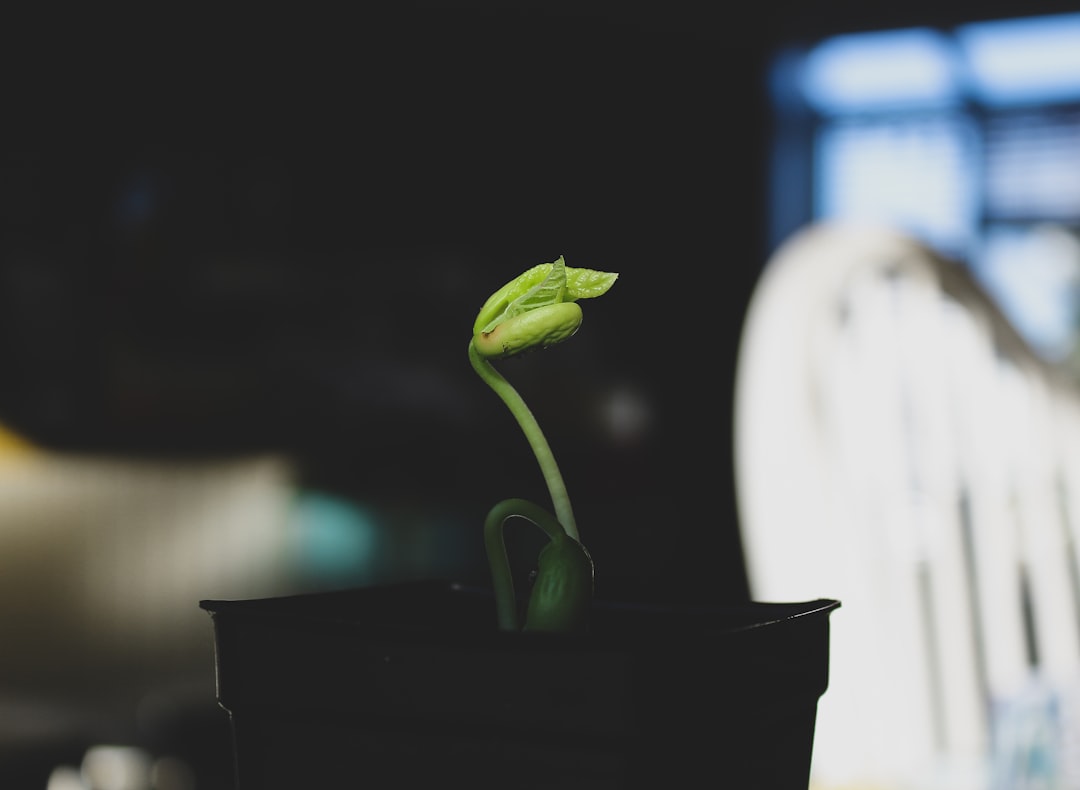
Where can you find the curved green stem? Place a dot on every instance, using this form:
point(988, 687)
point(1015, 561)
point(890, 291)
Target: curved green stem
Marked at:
point(560, 500)
point(495, 544)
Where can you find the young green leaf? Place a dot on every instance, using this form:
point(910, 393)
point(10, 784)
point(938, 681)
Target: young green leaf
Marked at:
point(588, 283)
point(540, 287)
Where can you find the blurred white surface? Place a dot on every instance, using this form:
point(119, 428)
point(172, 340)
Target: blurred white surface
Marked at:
point(900, 448)
point(102, 564)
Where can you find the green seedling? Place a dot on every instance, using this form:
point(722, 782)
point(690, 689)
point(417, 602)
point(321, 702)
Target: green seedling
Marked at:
point(536, 310)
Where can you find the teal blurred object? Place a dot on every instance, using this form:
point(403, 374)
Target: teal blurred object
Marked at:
point(335, 538)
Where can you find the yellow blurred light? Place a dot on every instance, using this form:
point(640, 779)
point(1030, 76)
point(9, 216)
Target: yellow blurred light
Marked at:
point(14, 445)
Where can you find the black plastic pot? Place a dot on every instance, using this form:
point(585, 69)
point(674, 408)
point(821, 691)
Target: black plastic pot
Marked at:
point(412, 686)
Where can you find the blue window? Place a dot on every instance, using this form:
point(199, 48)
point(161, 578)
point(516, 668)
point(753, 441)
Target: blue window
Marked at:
point(968, 138)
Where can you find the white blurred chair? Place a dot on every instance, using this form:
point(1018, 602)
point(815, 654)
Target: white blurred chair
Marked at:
point(899, 447)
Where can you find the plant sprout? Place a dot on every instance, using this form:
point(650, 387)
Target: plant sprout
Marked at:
point(536, 310)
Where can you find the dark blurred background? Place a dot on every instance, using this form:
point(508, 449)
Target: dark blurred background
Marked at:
point(274, 233)
point(235, 233)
